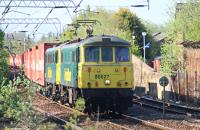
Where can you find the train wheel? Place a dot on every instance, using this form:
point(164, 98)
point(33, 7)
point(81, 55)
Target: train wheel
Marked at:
point(41, 92)
point(70, 98)
point(122, 108)
point(63, 99)
point(48, 91)
point(88, 107)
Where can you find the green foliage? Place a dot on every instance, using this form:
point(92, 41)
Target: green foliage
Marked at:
point(47, 126)
point(51, 37)
point(187, 21)
point(129, 23)
point(1, 39)
point(136, 50)
point(80, 104)
point(152, 27)
point(3, 58)
point(172, 58)
point(74, 119)
point(16, 103)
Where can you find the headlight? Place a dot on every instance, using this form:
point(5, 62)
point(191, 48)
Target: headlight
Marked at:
point(107, 82)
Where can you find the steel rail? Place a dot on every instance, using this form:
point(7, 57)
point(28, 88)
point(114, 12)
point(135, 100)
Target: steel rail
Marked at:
point(69, 108)
point(175, 105)
point(119, 126)
point(147, 123)
point(173, 108)
point(157, 107)
point(54, 117)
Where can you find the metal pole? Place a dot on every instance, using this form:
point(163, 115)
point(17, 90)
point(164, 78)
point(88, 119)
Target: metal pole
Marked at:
point(24, 44)
point(163, 99)
point(144, 34)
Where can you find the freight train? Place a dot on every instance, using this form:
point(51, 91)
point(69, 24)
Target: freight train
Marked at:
point(98, 69)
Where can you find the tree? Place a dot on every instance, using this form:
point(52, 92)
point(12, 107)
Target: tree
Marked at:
point(129, 23)
point(186, 20)
point(3, 58)
point(172, 58)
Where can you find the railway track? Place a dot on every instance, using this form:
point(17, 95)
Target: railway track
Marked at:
point(54, 111)
point(169, 107)
point(146, 123)
point(60, 113)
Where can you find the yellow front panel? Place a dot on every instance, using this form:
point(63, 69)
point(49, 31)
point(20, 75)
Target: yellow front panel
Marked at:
point(58, 65)
point(96, 76)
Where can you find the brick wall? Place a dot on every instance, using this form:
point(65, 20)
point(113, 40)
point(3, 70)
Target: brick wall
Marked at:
point(146, 80)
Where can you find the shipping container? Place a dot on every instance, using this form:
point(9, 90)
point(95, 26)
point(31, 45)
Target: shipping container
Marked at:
point(29, 75)
point(40, 62)
point(25, 63)
point(18, 59)
point(33, 62)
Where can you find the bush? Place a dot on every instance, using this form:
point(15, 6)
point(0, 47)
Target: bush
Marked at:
point(16, 103)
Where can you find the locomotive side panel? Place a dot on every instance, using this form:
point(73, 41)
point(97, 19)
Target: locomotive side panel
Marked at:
point(50, 66)
point(69, 66)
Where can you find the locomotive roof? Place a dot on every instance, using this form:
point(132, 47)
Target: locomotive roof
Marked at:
point(99, 40)
point(104, 40)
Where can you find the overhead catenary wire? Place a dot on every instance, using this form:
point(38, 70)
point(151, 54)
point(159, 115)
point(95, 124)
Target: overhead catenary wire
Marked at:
point(37, 27)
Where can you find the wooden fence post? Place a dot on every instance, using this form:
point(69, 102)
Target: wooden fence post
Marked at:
point(187, 91)
point(195, 87)
point(179, 86)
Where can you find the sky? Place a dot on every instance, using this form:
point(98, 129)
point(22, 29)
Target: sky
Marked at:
point(158, 14)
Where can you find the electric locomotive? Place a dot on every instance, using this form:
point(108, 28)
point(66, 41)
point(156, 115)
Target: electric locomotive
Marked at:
point(98, 69)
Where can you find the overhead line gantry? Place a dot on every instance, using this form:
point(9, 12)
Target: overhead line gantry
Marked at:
point(40, 3)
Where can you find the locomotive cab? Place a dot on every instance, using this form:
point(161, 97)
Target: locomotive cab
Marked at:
point(105, 73)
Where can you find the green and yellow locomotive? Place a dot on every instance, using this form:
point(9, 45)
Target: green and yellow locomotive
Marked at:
point(98, 69)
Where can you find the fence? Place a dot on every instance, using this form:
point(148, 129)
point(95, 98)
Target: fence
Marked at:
point(187, 87)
